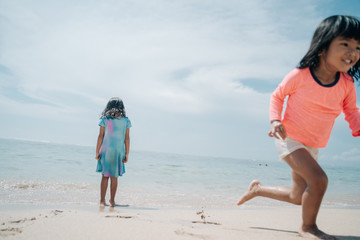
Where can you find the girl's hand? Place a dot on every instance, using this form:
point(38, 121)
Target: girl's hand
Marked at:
point(277, 130)
point(125, 160)
point(97, 157)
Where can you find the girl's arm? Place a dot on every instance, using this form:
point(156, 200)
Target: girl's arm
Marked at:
point(351, 111)
point(127, 145)
point(99, 142)
point(285, 88)
point(277, 129)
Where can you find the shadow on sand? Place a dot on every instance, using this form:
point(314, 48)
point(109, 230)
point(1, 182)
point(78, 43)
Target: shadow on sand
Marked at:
point(287, 231)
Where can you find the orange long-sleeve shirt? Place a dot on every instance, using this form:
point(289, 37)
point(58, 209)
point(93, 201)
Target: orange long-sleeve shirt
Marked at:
point(312, 108)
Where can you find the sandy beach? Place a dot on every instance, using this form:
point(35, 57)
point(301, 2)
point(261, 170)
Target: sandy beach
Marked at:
point(135, 224)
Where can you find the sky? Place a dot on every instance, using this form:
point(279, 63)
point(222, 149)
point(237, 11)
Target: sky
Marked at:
point(195, 75)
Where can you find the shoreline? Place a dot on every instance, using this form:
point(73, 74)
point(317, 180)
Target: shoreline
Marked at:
point(255, 204)
point(4, 207)
point(135, 223)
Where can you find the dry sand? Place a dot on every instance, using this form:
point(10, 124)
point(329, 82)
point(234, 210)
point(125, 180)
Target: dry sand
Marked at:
point(122, 223)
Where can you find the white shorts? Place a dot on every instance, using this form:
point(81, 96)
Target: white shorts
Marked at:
point(289, 145)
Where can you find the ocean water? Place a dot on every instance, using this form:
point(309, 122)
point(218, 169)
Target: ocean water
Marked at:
point(39, 173)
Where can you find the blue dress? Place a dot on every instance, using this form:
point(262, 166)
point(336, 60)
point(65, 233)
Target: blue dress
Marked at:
point(112, 151)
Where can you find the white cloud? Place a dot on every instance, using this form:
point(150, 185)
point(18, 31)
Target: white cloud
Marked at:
point(164, 58)
point(352, 154)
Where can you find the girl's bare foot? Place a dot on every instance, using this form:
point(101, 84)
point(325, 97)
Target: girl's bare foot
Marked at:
point(112, 203)
point(102, 204)
point(250, 193)
point(315, 233)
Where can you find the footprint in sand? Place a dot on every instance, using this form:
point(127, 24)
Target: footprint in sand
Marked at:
point(23, 220)
point(203, 218)
point(183, 233)
point(10, 231)
point(118, 216)
point(56, 212)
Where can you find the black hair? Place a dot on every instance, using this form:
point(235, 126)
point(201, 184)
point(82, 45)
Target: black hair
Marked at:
point(114, 108)
point(328, 29)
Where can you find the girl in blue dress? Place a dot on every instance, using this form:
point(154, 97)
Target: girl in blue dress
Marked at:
point(112, 148)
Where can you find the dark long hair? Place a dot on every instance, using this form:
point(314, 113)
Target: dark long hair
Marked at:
point(330, 28)
point(114, 108)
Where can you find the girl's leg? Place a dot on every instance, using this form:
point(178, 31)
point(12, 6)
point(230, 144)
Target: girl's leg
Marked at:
point(113, 188)
point(103, 188)
point(281, 193)
point(305, 166)
point(309, 186)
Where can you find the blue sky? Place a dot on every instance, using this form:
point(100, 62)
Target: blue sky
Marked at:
point(195, 76)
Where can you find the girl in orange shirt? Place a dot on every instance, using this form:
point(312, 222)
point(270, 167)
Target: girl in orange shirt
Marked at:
point(318, 90)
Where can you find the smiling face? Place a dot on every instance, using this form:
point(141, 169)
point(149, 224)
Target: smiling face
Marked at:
point(342, 54)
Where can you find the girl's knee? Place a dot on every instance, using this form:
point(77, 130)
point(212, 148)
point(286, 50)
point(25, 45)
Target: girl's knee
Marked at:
point(296, 199)
point(320, 182)
point(323, 179)
point(113, 179)
point(296, 196)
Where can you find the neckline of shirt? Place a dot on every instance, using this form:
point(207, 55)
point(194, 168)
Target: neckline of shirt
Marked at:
point(325, 85)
